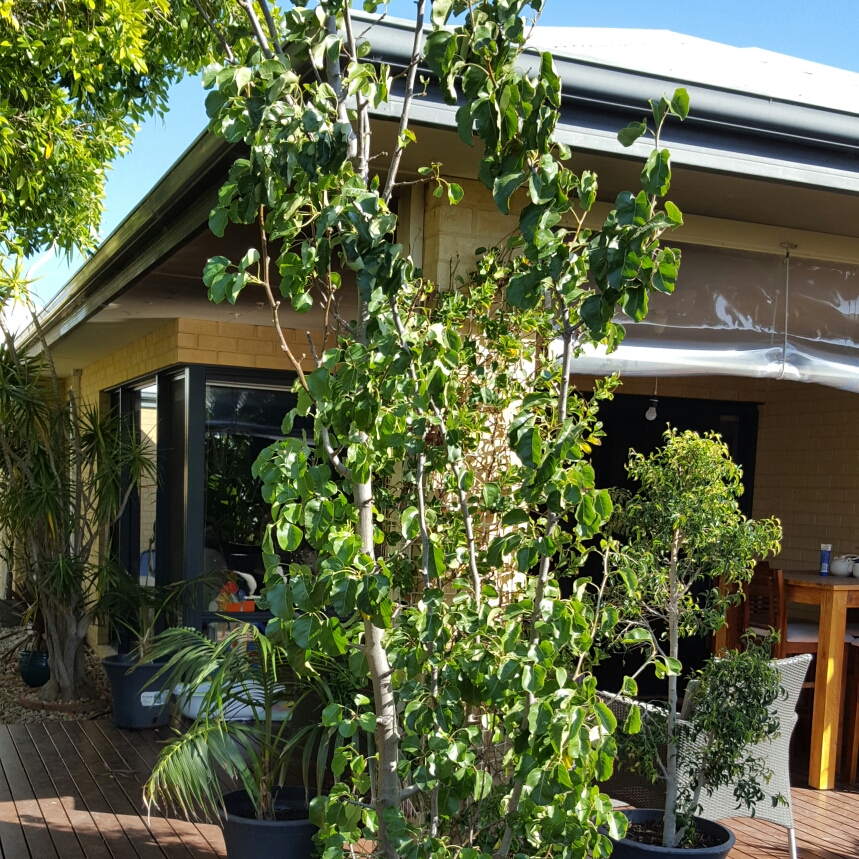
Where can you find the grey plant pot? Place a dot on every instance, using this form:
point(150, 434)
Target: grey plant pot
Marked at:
point(248, 838)
point(626, 849)
point(137, 704)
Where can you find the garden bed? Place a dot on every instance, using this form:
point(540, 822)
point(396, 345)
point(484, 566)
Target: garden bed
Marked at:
point(19, 703)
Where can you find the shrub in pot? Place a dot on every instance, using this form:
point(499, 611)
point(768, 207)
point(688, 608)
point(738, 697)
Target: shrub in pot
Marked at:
point(138, 612)
point(28, 638)
point(684, 541)
point(269, 817)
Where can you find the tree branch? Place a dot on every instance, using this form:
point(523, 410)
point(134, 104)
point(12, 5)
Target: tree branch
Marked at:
point(407, 102)
point(262, 41)
point(218, 35)
point(272, 30)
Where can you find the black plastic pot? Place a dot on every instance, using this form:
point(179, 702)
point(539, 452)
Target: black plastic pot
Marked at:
point(626, 849)
point(34, 668)
point(249, 838)
point(136, 702)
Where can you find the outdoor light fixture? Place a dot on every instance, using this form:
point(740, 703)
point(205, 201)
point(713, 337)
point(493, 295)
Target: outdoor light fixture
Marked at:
point(650, 414)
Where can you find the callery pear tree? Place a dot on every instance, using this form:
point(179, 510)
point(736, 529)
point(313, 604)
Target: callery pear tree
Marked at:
point(447, 486)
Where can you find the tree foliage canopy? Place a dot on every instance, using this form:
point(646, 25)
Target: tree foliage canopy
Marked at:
point(78, 76)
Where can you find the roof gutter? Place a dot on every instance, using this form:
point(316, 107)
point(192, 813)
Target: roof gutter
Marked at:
point(597, 84)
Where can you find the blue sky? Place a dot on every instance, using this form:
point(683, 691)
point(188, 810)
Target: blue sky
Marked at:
point(826, 31)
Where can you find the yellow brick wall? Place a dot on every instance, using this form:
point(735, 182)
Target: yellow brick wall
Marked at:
point(807, 465)
point(140, 358)
point(233, 344)
point(807, 462)
point(195, 341)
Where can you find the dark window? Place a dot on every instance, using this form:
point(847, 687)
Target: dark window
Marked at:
point(240, 422)
point(206, 426)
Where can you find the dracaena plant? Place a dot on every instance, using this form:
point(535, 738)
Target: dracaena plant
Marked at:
point(447, 486)
point(684, 545)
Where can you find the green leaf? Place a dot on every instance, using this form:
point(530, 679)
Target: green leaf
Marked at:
point(367, 721)
point(441, 11)
point(218, 221)
point(674, 214)
point(602, 504)
point(317, 807)
point(482, 786)
point(606, 718)
point(250, 258)
point(410, 523)
point(504, 188)
point(680, 103)
point(636, 636)
point(491, 494)
point(243, 77)
point(656, 175)
point(331, 715)
point(288, 536)
point(516, 516)
point(454, 193)
point(632, 723)
point(465, 123)
point(627, 136)
point(319, 385)
point(437, 566)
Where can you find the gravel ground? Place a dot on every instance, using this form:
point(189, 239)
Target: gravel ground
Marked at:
point(12, 688)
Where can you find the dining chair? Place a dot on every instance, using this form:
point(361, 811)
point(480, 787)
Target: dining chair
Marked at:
point(765, 608)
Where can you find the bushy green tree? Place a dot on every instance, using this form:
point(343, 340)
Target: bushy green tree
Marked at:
point(77, 78)
point(685, 543)
point(437, 564)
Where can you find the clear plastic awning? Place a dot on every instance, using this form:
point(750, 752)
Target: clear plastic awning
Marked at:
point(735, 313)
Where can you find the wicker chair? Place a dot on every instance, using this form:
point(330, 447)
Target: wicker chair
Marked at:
point(632, 789)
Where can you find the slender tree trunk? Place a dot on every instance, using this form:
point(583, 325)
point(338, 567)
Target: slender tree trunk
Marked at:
point(387, 734)
point(669, 831)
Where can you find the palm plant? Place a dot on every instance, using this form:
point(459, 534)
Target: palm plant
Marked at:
point(66, 476)
point(247, 675)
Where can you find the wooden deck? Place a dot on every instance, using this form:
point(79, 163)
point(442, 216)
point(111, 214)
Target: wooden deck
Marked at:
point(72, 790)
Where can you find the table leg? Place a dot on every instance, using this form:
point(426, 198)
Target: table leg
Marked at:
point(827, 689)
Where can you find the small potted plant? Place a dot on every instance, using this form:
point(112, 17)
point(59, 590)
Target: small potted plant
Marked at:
point(137, 612)
point(684, 542)
point(255, 713)
point(29, 639)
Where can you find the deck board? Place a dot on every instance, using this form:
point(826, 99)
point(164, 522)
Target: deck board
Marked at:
point(108, 784)
point(86, 827)
point(33, 822)
point(108, 825)
point(132, 747)
point(72, 790)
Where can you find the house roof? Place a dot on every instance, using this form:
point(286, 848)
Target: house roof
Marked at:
point(689, 59)
point(753, 115)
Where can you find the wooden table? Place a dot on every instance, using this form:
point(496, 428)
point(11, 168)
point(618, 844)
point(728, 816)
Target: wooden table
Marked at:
point(834, 595)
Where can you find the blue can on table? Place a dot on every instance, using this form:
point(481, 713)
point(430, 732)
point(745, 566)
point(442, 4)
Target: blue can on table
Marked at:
point(825, 552)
